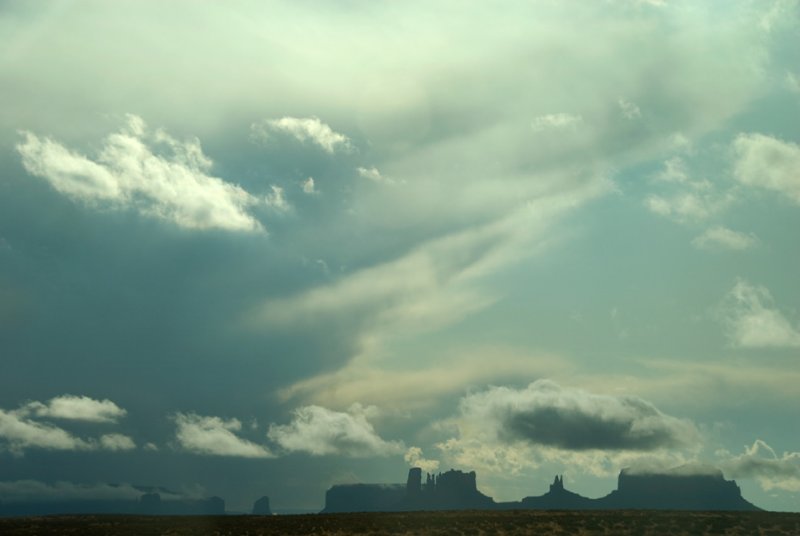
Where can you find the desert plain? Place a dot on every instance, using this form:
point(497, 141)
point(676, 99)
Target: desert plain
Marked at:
point(464, 523)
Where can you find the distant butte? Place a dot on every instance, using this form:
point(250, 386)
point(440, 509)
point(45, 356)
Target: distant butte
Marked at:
point(681, 488)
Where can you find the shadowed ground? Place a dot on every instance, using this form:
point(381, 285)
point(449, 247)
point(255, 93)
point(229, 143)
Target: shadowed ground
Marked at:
point(449, 523)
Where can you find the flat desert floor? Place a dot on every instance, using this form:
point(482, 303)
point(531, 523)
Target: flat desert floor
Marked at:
point(471, 523)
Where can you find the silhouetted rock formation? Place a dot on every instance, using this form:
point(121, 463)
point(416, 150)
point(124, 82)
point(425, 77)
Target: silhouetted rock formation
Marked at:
point(261, 507)
point(683, 488)
point(453, 490)
point(558, 498)
point(364, 498)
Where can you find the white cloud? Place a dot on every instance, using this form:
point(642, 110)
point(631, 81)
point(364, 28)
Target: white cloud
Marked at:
point(20, 430)
point(767, 162)
point(77, 408)
point(309, 187)
point(674, 170)
point(760, 461)
point(320, 431)
point(116, 442)
point(630, 110)
point(20, 433)
point(215, 436)
point(69, 173)
point(414, 457)
point(374, 175)
point(682, 197)
point(559, 120)
point(687, 206)
point(752, 321)
point(129, 173)
point(303, 129)
point(276, 199)
point(720, 237)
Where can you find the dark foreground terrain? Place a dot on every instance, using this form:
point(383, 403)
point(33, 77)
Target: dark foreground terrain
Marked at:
point(450, 523)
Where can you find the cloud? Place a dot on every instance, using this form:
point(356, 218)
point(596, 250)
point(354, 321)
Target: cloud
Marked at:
point(674, 170)
point(687, 206)
point(20, 433)
point(629, 109)
point(760, 461)
point(276, 200)
point(423, 385)
point(505, 430)
point(548, 415)
point(684, 198)
point(571, 419)
point(129, 173)
point(435, 285)
point(77, 408)
point(752, 321)
point(559, 120)
point(766, 162)
point(374, 175)
point(415, 458)
point(720, 237)
point(215, 437)
point(320, 431)
point(303, 129)
point(309, 187)
point(20, 430)
point(116, 442)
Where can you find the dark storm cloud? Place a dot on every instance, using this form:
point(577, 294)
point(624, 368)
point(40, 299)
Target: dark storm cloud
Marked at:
point(571, 419)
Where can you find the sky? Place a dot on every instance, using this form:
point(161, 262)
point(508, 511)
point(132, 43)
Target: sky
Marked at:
point(260, 248)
